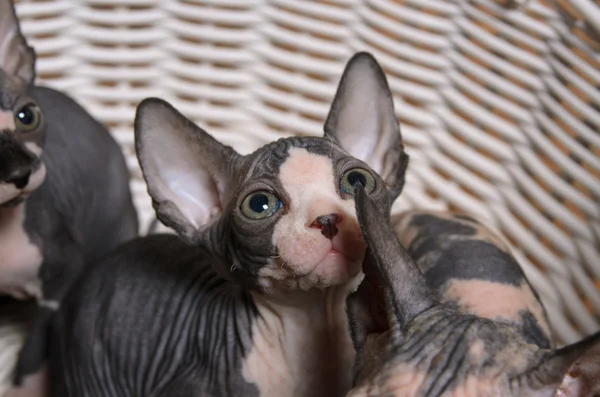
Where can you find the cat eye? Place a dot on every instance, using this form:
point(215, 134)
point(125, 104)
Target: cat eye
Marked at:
point(28, 118)
point(260, 205)
point(357, 176)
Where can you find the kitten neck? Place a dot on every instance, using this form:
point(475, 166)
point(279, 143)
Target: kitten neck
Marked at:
point(301, 344)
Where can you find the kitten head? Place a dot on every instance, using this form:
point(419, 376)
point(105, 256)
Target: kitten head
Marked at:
point(282, 217)
point(22, 128)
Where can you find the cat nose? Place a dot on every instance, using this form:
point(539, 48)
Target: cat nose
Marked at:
point(20, 178)
point(327, 224)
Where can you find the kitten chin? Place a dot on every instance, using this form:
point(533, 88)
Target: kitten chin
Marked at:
point(332, 270)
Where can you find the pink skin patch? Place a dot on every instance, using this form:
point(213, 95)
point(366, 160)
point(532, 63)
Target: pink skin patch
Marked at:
point(495, 300)
point(7, 121)
point(307, 258)
point(403, 380)
point(300, 343)
point(21, 260)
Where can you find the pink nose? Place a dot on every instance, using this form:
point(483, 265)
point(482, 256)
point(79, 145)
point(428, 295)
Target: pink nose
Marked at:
point(327, 224)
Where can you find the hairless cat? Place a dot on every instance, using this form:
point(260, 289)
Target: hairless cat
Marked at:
point(64, 201)
point(254, 303)
point(454, 316)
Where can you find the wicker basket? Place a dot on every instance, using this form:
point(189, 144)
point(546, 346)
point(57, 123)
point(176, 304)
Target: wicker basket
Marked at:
point(499, 101)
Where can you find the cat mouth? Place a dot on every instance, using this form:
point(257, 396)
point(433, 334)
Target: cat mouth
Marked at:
point(336, 252)
point(336, 267)
point(13, 202)
point(11, 196)
point(334, 257)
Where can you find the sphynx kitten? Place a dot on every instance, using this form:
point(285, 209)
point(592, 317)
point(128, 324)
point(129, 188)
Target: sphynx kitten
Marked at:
point(254, 303)
point(420, 332)
point(64, 200)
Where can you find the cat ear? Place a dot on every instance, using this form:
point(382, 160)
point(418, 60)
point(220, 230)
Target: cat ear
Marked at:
point(363, 122)
point(575, 369)
point(17, 59)
point(189, 173)
point(406, 293)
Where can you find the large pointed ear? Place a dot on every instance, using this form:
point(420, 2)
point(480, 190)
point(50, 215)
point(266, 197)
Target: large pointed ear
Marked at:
point(189, 173)
point(363, 122)
point(573, 369)
point(17, 59)
point(406, 292)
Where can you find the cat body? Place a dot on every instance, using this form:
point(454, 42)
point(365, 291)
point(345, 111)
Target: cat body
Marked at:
point(422, 324)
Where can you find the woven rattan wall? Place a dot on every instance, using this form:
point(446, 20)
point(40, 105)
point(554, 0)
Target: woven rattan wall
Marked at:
point(498, 100)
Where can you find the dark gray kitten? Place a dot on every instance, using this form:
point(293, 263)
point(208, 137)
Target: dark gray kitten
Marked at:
point(64, 196)
point(254, 303)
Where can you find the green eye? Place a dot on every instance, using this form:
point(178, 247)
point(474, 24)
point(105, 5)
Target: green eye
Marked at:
point(354, 176)
point(28, 118)
point(260, 205)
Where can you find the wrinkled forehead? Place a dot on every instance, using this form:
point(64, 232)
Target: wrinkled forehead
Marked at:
point(268, 160)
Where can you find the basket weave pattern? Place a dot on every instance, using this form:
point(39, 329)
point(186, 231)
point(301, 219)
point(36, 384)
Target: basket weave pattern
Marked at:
point(499, 101)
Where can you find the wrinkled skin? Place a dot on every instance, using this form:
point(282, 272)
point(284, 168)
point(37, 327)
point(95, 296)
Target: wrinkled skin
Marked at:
point(411, 343)
point(64, 201)
point(255, 302)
